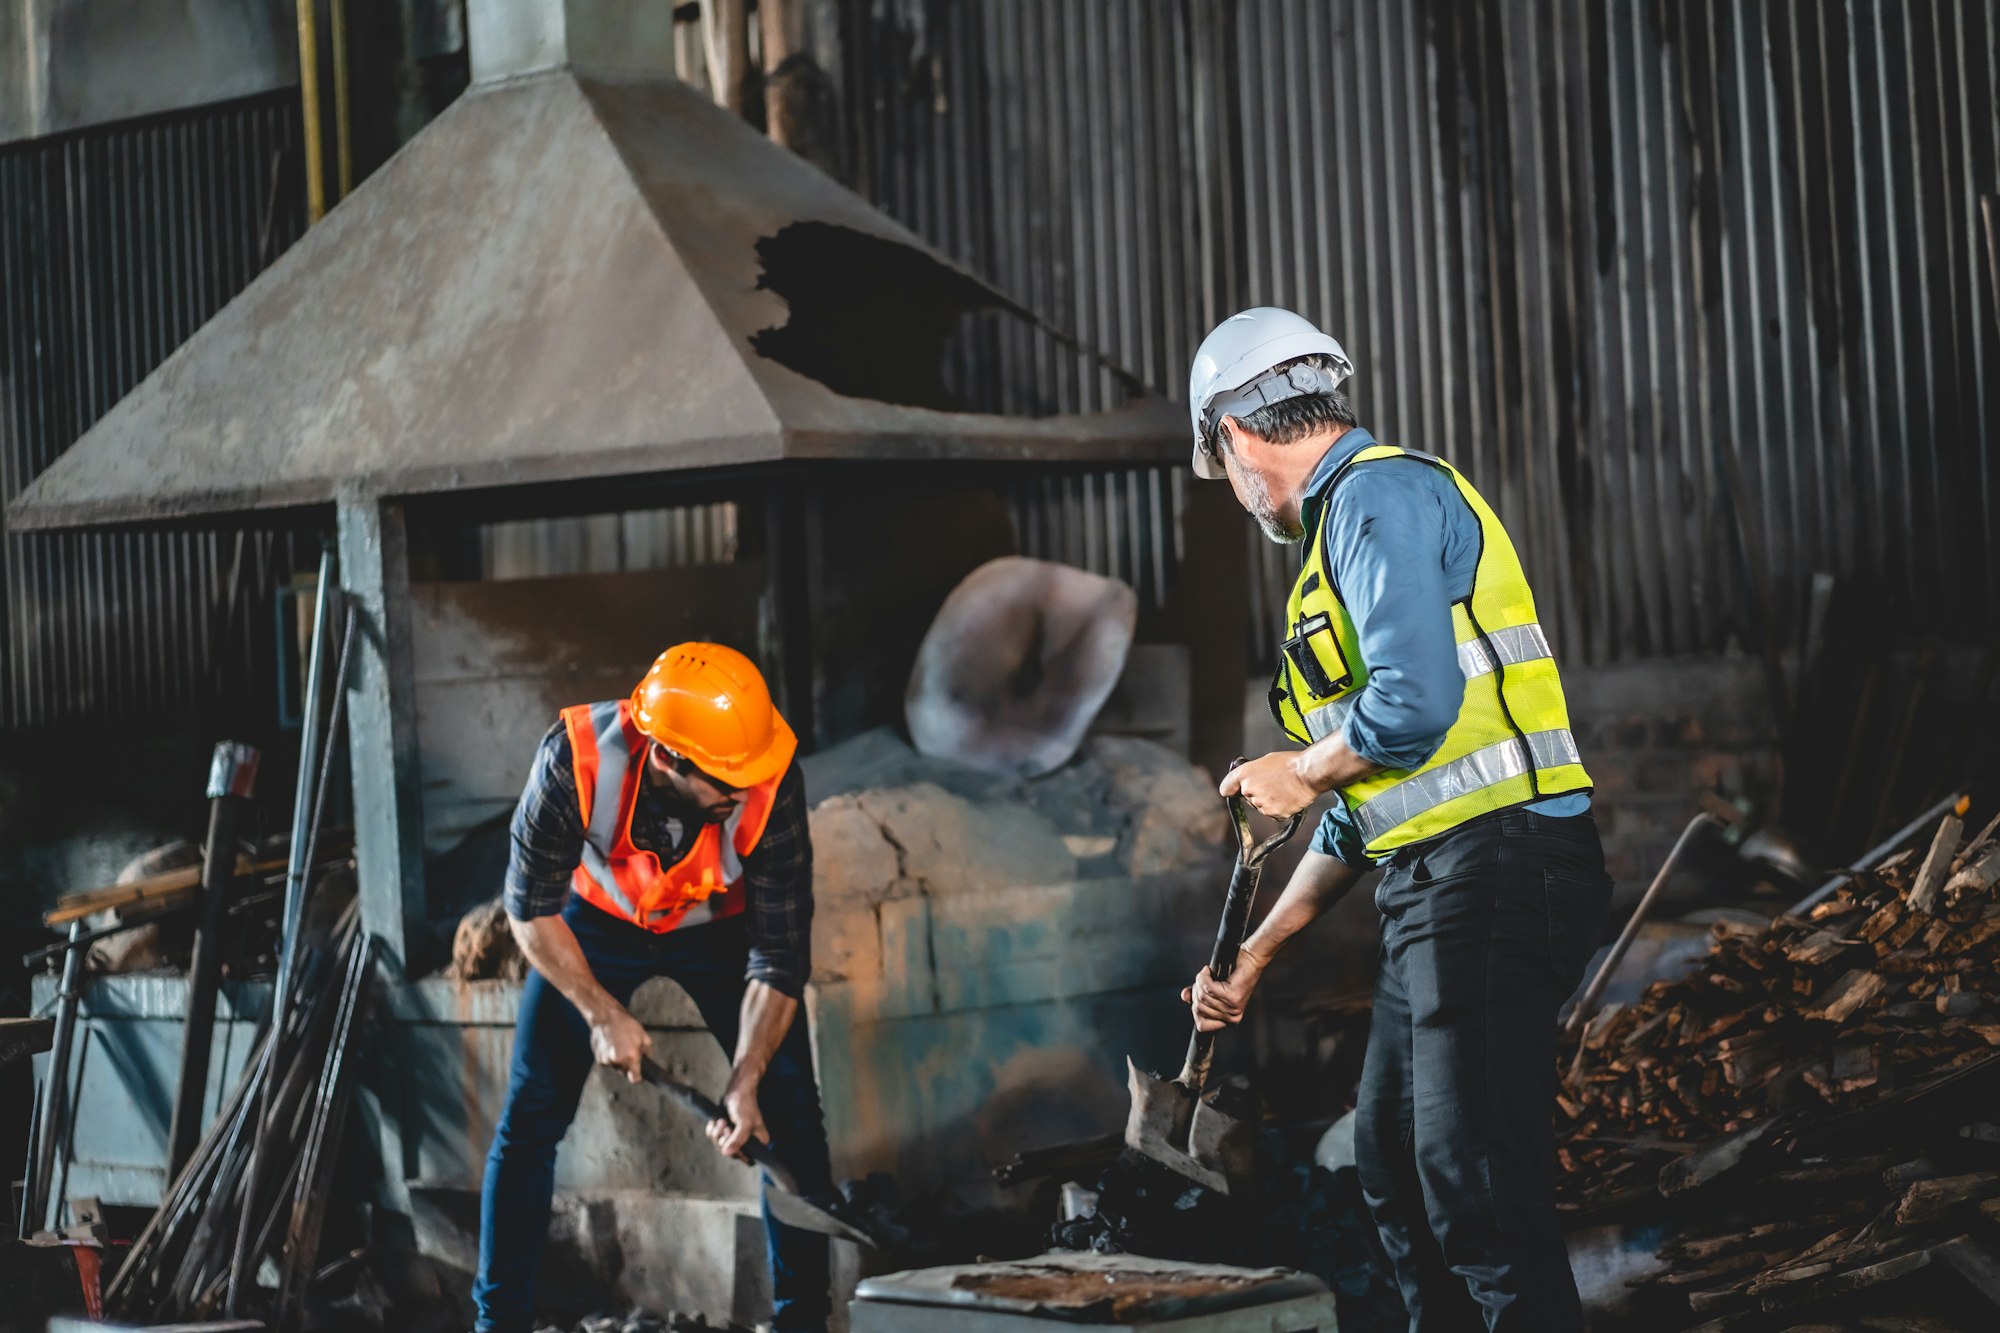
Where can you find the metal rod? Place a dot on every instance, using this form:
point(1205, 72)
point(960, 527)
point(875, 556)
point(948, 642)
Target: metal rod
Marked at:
point(309, 112)
point(343, 128)
point(304, 803)
point(36, 1199)
point(1876, 853)
point(232, 778)
point(1587, 1003)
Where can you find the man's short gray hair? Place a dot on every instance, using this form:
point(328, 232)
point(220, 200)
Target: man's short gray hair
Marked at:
point(1294, 419)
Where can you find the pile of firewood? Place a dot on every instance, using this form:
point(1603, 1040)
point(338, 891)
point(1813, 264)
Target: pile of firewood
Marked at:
point(1812, 1105)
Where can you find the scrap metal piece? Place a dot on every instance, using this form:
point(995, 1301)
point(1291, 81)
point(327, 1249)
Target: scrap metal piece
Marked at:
point(1015, 667)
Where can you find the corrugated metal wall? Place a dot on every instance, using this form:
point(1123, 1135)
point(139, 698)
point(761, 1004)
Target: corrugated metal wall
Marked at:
point(115, 244)
point(1697, 292)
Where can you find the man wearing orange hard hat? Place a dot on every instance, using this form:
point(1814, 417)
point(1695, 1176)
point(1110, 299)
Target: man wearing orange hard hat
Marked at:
point(660, 835)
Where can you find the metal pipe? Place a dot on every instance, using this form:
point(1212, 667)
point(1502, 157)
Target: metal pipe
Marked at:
point(343, 130)
point(36, 1199)
point(1875, 853)
point(232, 779)
point(309, 112)
point(1587, 1002)
point(303, 805)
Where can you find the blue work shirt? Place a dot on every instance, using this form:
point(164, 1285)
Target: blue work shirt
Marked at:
point(1402, 546)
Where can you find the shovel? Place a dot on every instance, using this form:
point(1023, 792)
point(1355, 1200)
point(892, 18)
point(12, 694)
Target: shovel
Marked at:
point(1170, 1122)
point(787, 1202)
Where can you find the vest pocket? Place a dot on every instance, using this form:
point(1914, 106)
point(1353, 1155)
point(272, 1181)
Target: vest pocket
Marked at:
point(1312, 648)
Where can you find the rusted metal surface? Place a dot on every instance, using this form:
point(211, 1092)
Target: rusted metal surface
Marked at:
point(562, 277)
point(1094, 1288)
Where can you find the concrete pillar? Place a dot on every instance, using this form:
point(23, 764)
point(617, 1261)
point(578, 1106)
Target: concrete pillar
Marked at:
point(382, 724)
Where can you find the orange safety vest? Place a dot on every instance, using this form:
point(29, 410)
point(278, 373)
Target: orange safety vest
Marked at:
point(609, 754)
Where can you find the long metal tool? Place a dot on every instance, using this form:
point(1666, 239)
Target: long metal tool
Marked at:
point(322, 1148)
point(50, 1123)
point(296, 872)
point(1170, 1122)
point(1876, 853)
point(789, 1203)
point(1586, 1004)
point(232, 779)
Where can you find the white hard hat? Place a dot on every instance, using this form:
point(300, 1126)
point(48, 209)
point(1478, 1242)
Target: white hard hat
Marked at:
point(1236, 372)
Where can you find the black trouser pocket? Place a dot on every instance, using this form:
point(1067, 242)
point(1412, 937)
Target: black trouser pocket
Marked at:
point(1576, 904)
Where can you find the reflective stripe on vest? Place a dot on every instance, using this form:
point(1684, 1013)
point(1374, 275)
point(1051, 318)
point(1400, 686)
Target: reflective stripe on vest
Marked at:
point(608, 754)
point(1432, 787)
point(1511, 742)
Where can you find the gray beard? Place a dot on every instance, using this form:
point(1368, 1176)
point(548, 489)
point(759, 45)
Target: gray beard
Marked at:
point(1285, 532)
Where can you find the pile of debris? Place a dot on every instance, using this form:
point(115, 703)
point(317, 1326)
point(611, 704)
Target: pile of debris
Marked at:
point(257, 1187)
point(1813, 1098)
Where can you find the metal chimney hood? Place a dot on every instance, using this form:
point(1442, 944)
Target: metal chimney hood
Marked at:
point(574, 272)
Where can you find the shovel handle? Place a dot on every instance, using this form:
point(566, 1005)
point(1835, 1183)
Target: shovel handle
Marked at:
point(755, 1151)
point(1235, 924)
point(1229, 935)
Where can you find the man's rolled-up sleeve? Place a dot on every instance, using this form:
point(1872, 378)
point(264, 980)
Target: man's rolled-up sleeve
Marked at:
point(778, 886)
point(1336, 836)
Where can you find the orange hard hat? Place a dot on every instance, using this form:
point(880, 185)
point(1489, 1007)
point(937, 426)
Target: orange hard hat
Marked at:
point(708, 702)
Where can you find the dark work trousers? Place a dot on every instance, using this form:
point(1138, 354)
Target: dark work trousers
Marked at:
point(551, 1060)
point(1485, 932)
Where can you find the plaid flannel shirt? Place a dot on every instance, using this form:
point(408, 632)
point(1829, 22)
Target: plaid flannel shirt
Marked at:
point(547, 837)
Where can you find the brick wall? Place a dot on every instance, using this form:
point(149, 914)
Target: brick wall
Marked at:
point(1658, 734)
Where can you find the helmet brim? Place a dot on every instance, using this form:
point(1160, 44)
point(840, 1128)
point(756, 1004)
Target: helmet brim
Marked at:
point(1207, 466)
point(758, 769)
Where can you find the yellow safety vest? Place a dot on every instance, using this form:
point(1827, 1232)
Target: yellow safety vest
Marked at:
point(1511, 743)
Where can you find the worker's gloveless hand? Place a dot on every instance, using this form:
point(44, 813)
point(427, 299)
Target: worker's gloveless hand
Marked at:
point(1220, 1004)
point(745, 1121)
point(1271, 783)
point(617, 1039)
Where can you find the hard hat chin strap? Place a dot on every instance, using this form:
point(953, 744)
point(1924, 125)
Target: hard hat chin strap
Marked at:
point(1296, 380)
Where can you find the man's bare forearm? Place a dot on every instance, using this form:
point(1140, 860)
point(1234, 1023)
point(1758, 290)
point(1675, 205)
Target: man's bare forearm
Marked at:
point(551, 949)
point(1319, 882)
point(1329, 762)
point(766, 1017)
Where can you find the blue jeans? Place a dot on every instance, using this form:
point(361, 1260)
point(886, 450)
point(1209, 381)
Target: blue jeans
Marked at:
point(1485, 931)
point(551, 1060)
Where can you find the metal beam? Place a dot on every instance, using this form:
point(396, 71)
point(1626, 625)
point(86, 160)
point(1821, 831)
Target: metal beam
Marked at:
point(382, 724)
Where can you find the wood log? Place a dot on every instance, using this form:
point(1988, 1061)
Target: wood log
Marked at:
point(1839, 1001)
point(1928, 1200)
point(1976, 877)
point(1926, 892)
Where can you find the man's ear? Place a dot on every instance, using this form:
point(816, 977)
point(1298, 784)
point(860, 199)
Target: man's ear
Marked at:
point(1234, 436)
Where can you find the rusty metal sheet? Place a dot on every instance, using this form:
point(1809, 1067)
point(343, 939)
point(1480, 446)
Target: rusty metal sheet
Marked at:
point(1094, 1288)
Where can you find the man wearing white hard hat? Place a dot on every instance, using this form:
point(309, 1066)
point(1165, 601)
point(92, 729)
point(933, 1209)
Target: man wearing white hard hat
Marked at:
point(1421, 689)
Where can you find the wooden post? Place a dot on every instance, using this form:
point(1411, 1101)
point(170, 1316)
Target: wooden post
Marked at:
point(725, 26)
point(783, 34)
point(382, 725)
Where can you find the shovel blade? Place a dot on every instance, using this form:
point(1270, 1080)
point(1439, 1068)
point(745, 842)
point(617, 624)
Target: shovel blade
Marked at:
point(1171, 1126)
point(795, 1210)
